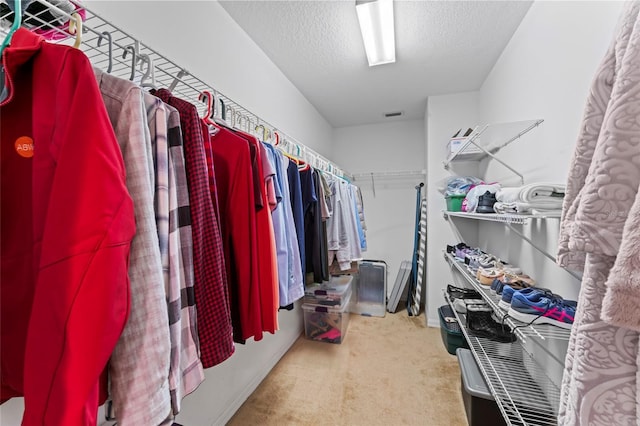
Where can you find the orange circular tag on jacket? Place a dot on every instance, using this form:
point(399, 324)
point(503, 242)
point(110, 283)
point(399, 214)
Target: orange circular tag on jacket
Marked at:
point(24, 146)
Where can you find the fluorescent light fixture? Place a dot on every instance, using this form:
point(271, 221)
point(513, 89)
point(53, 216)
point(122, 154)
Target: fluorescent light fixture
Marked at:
point(376, 24)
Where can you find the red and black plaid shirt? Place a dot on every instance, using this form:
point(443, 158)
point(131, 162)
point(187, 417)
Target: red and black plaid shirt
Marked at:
point(212, 300)
point(208, 150)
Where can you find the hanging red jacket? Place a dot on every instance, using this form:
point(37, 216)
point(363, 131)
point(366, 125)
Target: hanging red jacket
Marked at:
point(67, 225)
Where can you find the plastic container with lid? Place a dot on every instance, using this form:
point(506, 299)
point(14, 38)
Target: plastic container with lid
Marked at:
point(335, 293)
point(327, 323)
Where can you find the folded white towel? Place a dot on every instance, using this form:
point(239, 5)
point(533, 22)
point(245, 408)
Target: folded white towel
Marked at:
point(511, 207)
point(508, 195)
point(544, 191)
point(543, 195)
point(525, 208)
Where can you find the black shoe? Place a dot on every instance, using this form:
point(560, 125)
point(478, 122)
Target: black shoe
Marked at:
point(480, 323)
point(486, 202)
point(462, 293)
point(459, 246)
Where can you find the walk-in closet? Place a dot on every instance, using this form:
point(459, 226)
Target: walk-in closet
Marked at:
point(345, 212)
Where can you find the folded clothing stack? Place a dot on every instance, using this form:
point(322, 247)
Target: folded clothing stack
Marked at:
point(536, 197)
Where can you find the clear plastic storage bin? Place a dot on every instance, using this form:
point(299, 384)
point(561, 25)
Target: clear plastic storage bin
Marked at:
point(326, 323)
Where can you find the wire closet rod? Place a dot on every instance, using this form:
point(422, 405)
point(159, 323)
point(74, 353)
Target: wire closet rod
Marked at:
point(399, 173)
point(168, 73)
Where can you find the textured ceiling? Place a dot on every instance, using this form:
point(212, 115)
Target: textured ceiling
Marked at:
point(441, 47)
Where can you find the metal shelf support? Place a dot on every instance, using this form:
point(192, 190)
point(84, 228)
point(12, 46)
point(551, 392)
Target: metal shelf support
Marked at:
point(472, 140)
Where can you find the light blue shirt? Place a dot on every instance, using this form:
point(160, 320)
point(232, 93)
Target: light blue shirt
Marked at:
point(363, 239)
point(290, 282)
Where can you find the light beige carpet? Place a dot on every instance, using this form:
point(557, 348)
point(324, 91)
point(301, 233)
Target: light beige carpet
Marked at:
point(388, 371)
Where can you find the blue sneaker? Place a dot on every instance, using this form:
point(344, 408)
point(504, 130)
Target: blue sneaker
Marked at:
point(557, 299)
point(507, 295)
point(497, 286)
point(541, 308)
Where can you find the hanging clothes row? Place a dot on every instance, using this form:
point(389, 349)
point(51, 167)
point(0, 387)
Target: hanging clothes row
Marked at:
point(140, 242)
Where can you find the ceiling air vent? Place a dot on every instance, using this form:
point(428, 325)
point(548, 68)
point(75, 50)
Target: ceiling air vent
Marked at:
point(393, 114)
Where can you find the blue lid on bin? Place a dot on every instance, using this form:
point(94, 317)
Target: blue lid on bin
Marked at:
point(472, 379)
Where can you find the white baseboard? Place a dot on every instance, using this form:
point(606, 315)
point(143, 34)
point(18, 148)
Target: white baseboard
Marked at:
point(226, 415)
point(433, 323)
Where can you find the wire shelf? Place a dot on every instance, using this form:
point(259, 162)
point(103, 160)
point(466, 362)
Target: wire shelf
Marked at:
point(389, 174)
point(492, 134)
point(162, 71)
point(491, 139)
point(542, 332)
point(514, 219)
point(521, 388)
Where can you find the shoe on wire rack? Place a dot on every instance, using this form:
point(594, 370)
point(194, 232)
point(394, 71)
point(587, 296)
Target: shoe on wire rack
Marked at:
point(486, 276)
point(507, 295)
point(508, 291)
point(462, 254)
point(459, 246)
point(480, 323)
point(542, 308)
point(462, 293)
point(497, 285)
point(460, 306)
point(517, 282)
point(486, 202)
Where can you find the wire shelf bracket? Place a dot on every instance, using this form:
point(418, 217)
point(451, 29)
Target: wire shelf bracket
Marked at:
point(472, 139)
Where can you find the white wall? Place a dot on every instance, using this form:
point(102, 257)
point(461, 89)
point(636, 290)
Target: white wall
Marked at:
point(545, 72)
point(203, 38)
point(445, 114)
point(390, 213)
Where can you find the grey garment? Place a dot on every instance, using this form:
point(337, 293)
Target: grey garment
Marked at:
point(599, 382)
point(577, 222)
point(600, 233)
point(182, 305)
point(342, 233)
point(139, 367)
point(186, 371)
point(325, 193)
